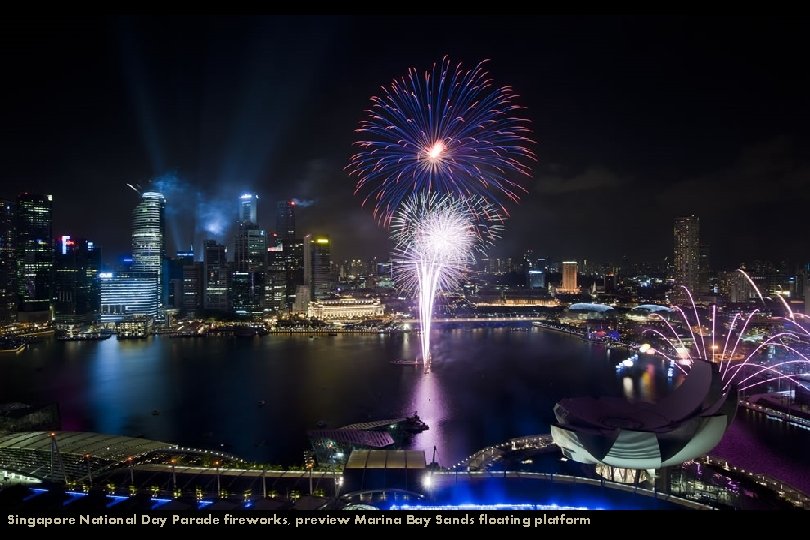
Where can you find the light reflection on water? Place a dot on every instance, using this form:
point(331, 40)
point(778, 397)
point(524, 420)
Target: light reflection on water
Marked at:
point(257, 397)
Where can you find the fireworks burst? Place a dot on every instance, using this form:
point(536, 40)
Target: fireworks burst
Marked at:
point(449, 131)
point(435, 239)
point(751, 348)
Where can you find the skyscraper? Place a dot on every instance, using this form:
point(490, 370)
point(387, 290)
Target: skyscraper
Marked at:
point(250, 260)
point(569, 278)
point(248, 203)
point(285, 220)
point(8, 264)
point(148, 239)
point(34, 248)
point(321, 264)
point(275, 284)
point(216, 277)
point(77, 293)
point(687, 254)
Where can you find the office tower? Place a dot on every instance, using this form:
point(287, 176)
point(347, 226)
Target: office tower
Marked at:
point(569, 278)
point(176, 277)
point(308, 260)
point(8, 264)
point(216, 275)
point(34, 249)
point(536, 278)
point(125, 295)
point(285, 220)
point(250, 260)
point(148, 240)
point(687, 254)
point(248, 204)
point(293, 266)
point(77, 293)
point(275, 285)
point(321, 264)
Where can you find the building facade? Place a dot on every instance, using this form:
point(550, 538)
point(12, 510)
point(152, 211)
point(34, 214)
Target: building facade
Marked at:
point(34, 248)
point(77, 292)
point(8, 264)
point(686, 257)
point(149, 241)
point(569, 278)
point(346, 308)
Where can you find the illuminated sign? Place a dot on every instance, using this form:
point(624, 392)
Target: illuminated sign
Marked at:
point(321, 240)
point(105, 275)
point(65, 240)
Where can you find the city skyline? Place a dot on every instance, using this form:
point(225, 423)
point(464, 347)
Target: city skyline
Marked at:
point(627, 134)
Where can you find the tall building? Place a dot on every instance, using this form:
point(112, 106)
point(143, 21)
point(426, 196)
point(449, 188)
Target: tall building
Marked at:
point(275, 284)
point(536, 278)
point(308, 260)
point(687, 254)
point(216, 275)
point(34, 248)
point(294, 267)
point(285, 220)
point(250, 260)
point(248, 204)
point(8, 264)
point(148, 240)
point(569, 278)
point(77, 292)
point(321, 263)
point(126, 295)
point(703, 269)
point(176, 277)
point(193, 287)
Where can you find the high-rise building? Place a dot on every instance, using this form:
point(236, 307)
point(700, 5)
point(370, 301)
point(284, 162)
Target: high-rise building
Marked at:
point(248, 203)
point(148, 240)
point(703, 269)
point(293, 266)
point(736, 288)
point(308, 260)
point(192, 287)
point(687, 254)
point(250, 260)
point(285, 220)
point(569, 278)
point(34, 248)
point(321, 262)
point(8, 264)
point(536, 278)
point(275, 284)
point(216, 277)
point(175, 271)
point(77, 293)
point(126, 295)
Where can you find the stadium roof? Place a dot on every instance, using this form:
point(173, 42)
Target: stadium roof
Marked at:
point(387, 459)
point(97, 445)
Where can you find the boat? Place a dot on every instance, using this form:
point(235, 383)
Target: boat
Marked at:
point(413, 362)
point(414, 424)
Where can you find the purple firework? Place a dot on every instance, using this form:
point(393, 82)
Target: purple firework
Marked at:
point(449, 131)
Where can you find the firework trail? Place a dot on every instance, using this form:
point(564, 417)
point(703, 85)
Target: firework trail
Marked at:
point(448, 131)
point(741, 369)
point(435, 239)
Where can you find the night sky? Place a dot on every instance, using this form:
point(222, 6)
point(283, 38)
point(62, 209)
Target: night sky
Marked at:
point(638, 120)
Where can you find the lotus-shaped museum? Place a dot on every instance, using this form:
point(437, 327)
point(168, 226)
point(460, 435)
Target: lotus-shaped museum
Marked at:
point(637, 435)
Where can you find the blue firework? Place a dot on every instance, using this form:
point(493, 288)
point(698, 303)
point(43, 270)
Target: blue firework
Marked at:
point(449, 131)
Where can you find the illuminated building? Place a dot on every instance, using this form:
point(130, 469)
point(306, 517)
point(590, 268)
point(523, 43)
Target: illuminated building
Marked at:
point(126, 295)
point(77, 296)
point(569, 278)
point(687, 254)
point(34, 248)
point(192, 287)
point(293, 267)
point(346, 308)
point(148, 239)
point(615, 432)
point(216, 274)
point(247, 208)
point(536, 278)
point(8, 264)
point(275, 285)
point(250, 259)
point(174, 273)
point(321, 264)
point(285, 220)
